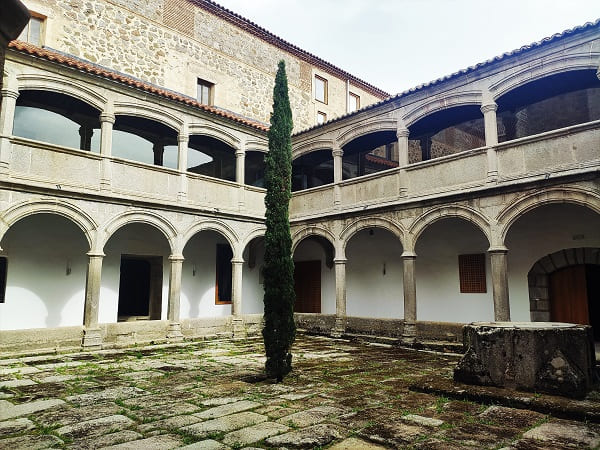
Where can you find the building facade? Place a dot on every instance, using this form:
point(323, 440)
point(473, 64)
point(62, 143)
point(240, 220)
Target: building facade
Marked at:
point(132, 139)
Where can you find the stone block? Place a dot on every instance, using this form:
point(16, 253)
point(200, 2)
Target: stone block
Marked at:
point(555, 358)
point(254, 433)
point(310, 437)
point(225, 424)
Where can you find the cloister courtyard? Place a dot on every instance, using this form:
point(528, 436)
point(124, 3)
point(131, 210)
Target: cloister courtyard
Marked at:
point(212, 394)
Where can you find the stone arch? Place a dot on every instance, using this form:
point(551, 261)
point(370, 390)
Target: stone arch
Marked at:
point(218, 226)
point(538, 277)
point(322, 232)
point(437, 104)
point(257, 232)
point(56, 84)
point(149, 112)
point(509, 215)
point(257, 146)
point(371, 222)
point(556, 65)
point(428, 218)
point(71, 212)
point(145, 217)
point(309, 147)
point(381, 124)
point(202, 129)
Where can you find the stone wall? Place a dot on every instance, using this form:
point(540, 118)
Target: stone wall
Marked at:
point(172, 43)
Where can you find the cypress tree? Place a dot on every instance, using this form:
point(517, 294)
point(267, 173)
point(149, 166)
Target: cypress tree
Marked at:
point(279, 328)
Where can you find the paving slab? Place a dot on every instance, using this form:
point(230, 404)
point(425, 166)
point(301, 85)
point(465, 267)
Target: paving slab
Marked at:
point(25, 370)
point(420, 420)
point(559, 433)
point(30, 442)
point(106, 440)
point(219, 401)
point(315, 436)
point(16, 383)
point(311, 416)
point(225, 424)
point(208, 444)
point(254, 433)
point(15, 426)
point(96, 426)
point(162, 442)
point(170, 423)
point(8, 410)
point(67, 416)
point(355, 444)
point(230, 408)
point(105, 395)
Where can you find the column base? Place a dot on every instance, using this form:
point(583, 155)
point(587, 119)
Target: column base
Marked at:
point(339, 329)
point(174, 333)
point(409, 335)
point(92, 339)
point(239, 329)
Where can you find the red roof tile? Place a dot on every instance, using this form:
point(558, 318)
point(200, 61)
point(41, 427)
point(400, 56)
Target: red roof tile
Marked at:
point(104, 72)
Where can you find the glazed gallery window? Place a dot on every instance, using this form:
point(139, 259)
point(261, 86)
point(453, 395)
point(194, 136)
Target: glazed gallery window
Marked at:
point(33, 31)
point(205, 92)
point(471, 271)
point(224, 276)
point(353, 102)
point(320, 89)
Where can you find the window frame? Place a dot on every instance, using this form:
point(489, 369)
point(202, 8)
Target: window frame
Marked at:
point(325, 89)
point(357, 99)
point(211, 89)
point(323, 115)
point(34, 17)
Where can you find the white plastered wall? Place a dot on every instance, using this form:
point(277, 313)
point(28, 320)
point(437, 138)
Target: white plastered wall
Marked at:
point(198, 290)
point(311, 250)
point(252, 288)
point(46, 274)
point(369, 291)
point(132, 239)
point(438, 284)
point(540, 232)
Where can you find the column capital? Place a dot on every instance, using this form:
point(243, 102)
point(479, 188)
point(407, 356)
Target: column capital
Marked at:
point(498, 249)
point(107, 117)
point(402, 132)
point(94, 254)
point(183, 137)
point(237, 261)
point(408, 255)
point(8, 92)
point(176, 258)
point(489, 107)
point(339, 260)
point(240, 153)
point(337, 152)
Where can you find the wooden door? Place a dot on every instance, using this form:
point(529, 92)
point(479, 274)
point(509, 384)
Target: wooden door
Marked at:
point(568, 295)
point(307, 284)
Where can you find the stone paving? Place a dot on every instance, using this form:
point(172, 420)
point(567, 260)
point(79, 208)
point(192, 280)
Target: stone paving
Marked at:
point(212, 395)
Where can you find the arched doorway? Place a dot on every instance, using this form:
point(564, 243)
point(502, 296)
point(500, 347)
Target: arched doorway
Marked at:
point(565, 287)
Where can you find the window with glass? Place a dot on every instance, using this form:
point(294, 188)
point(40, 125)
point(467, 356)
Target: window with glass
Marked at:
point(321, 117)
point(33, 31)
point(320, 89)
point(353, 102)
point(205, 91)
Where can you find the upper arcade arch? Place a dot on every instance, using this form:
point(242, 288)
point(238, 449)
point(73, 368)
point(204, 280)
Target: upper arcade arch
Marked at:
point(509, 215)
point(215, 132)
point(371, 222)
point(161, 115)
point(428, 218)
point(373, 126)
point(440, 103)
point(65, 209)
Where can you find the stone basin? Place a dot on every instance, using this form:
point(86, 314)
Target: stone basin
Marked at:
point(551, 357)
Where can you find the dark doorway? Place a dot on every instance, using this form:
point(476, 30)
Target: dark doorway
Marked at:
point(575, 296)
point(140, 287)
point(307, 284)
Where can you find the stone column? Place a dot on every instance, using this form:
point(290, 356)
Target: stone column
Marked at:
point(240, 174)
point(338, 163)
point(402, 134)
point(499, 263)
point(92, 337)
point(237, 266)
point(340, 297)
point(7, 117)
point(491, 139)
point(159, 152)
point(174, 332)
point(107, 120)
point(410, 298)
point(182, 155)
point(85, 137)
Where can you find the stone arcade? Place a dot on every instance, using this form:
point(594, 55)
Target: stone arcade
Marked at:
point(132, 137)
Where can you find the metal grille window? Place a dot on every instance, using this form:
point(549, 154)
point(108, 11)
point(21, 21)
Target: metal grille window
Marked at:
point(471, 270)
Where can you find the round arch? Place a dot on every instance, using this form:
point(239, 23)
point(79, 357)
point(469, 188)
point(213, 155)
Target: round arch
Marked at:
point(145, 217)
point(71, 212)
point(257, 232)
point(217, 226)
point(162, 115)
point(428, 218)
point(312, 146)
point(469, 98)
point(555, 66)
point(27, 82)
point(371, 222)
point(509, 215)
point(307, 232)
point(373, 126)
point(195, 129)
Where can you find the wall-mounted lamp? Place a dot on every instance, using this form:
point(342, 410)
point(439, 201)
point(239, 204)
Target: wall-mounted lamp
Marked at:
point(384, 268)
point(68, 269)
point(194, 270)
point(371, 232)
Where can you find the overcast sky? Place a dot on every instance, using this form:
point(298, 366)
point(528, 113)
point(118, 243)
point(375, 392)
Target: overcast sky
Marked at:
point(398, 44)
